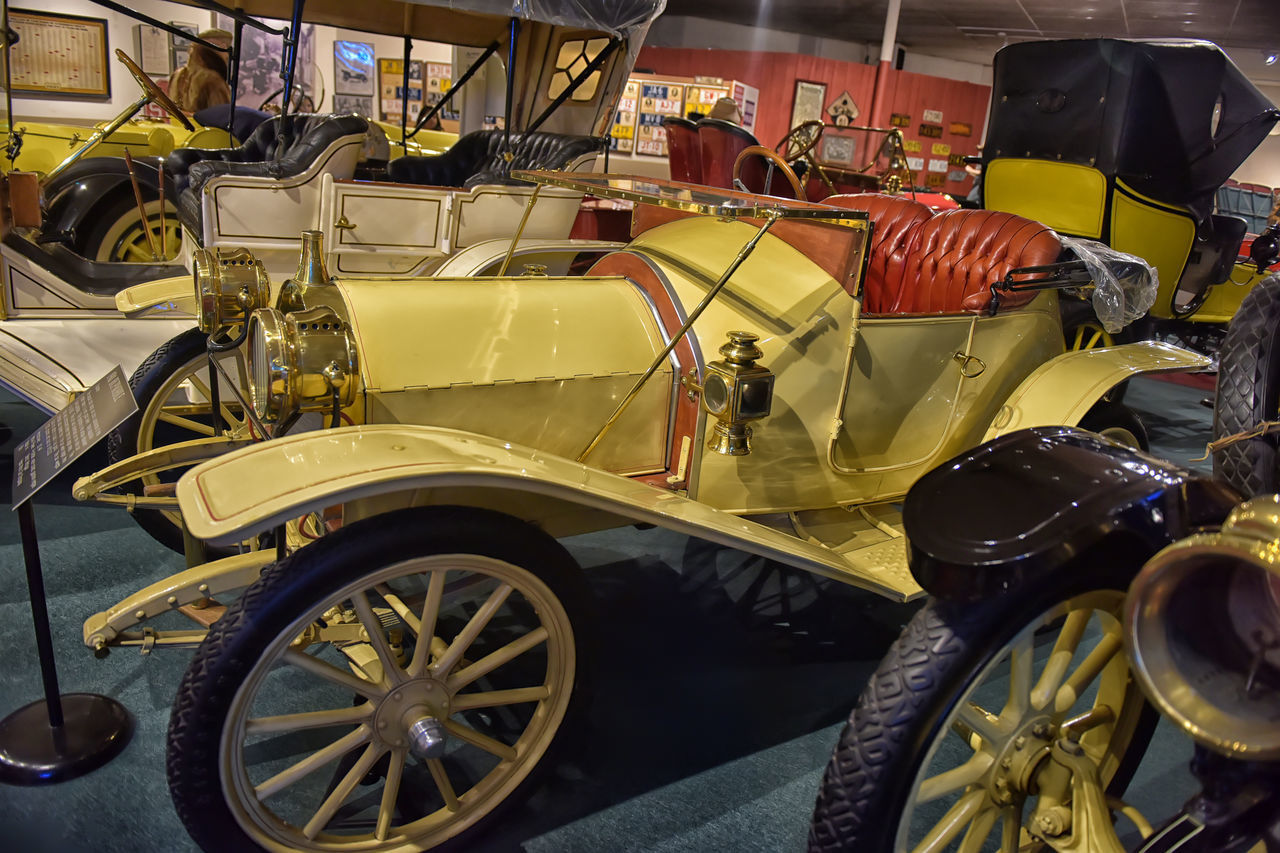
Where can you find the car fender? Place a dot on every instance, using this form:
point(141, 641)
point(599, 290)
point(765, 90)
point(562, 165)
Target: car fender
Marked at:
point(1062, 390)
point(76, 193)
point(227, 499)
point(165, 296)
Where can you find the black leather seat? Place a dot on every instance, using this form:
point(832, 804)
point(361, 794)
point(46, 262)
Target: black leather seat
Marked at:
point(478, 158)
point(262, 155)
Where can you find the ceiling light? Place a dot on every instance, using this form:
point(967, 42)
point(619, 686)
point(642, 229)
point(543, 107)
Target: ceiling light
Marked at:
point(1271, 58)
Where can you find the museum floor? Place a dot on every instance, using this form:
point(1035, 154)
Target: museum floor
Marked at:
point(714, 711)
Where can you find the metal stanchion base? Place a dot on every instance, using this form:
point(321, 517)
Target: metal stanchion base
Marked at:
point(95, 730)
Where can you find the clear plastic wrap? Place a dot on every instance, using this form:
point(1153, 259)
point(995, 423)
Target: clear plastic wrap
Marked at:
point(619, 17)
point(1124, 285)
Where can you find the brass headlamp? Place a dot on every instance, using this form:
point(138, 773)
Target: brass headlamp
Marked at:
point(300, 362)
point(230, 284)
point(737, 390)
point(1202, 627)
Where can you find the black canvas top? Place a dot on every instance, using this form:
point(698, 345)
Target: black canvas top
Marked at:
point(1142, 111)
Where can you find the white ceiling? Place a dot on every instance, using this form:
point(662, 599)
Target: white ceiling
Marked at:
point(972, 30)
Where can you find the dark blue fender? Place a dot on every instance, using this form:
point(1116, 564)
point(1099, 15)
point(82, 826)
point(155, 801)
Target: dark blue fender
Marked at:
point(91, 186)
point(1026, 504)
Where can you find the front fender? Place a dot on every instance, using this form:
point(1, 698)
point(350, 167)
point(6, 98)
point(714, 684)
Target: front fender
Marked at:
point(166, 296)
point(228, 499)
point(1013, 511)
point(1062, 390)
point(75, 193)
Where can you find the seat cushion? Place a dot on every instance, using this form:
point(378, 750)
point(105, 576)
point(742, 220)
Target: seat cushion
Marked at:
point(480, 157)
point(959, 254)
point(895, 222)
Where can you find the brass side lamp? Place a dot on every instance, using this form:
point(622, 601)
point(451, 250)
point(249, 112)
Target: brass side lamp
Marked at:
point(304, 361)
point(737, 390)
point(230, 285)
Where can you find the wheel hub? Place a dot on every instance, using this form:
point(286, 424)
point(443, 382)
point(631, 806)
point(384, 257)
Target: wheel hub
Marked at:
point(1030, 743)
point(412, 715)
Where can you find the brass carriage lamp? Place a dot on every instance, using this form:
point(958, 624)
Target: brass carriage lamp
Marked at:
point(737, 390)
point(230, 285)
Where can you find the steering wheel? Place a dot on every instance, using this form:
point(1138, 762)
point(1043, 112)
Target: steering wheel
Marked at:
point(153, 91)
point(800, 140)
point(774, 158)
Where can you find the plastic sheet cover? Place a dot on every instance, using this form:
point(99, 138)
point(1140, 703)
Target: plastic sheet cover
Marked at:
point(1124, 285)
point(622, 18)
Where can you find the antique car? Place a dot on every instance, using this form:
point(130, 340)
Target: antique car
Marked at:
point(750, 371)
point(567, 63)
point(1139, 173)
point(1011, 711)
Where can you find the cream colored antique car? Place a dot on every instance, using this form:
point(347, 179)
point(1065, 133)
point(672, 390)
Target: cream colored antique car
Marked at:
point(567, 63)
point(763, 374)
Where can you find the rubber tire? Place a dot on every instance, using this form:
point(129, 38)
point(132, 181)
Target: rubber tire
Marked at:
point(1249, 392)
point(1109, 414)
point(122, 442)
point(906, 701)
point(106, 218)
point(283, 591)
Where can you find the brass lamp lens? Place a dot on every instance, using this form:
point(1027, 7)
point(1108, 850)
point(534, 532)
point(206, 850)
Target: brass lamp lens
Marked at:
point(715, 394)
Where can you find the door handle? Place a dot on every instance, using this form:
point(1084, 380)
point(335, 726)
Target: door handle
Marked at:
point(343, 223)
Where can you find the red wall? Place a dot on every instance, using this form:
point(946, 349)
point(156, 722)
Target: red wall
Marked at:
point(775, 74)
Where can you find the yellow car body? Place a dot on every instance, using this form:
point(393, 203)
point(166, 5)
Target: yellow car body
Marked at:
point(43, 145)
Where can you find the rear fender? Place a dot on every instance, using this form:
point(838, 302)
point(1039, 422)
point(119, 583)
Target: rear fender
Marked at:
point(1062, 390)
point(375, 468)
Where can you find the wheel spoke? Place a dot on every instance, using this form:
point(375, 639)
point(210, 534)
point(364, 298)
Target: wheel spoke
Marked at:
point(1064, 649)
point(1010, 829)
point(495, 659)
point(468, 634)
point(441, 777)
point(307, 720)
point(982, 723)
point(494, 698)
point(186, 423)
point(957, 817)
point(954, 779)
point(1021, 658)
point(391, 672)
point(426, 627)
point(1108, 647)
point(313, 762)
point(396, 603)
point(331, 673)
point(979, 830)
point(338, 796)
point(484, 742)
point(203, 388)
point(390, 791)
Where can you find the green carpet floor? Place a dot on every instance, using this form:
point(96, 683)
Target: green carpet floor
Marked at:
point(712, 720)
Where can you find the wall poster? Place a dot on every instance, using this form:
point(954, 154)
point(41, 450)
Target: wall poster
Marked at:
point(391, 88)
point(808, 103)
point(59, 56)
point(352, 68)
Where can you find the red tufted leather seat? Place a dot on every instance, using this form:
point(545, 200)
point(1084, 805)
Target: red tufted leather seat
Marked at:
point(956, 256)
point(684, 151)
point(895, 221)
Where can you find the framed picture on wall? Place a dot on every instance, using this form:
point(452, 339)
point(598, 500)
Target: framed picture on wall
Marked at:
point(358, 104)
point(809, 100)
point(353, 68)
point(59, 56)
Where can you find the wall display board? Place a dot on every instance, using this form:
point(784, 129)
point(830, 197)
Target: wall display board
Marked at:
point(439, 79)
point(658, 99)
point(702, 96)
point(391, 88)
point(59, 56)
point(622, 136)
point(151, 47)
point(260, 80)
point(748, 98)
point(810, 98)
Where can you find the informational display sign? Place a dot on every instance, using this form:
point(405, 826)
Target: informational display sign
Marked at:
point(391, 88)
point(59, 55)
point(64, 437)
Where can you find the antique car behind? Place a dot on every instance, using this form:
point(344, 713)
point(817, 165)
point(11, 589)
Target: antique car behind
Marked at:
point(728, 375)
point(567, 63)
point(1138, 173)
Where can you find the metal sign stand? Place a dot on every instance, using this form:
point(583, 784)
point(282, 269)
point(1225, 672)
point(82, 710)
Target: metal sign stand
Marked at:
point(63, 736)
